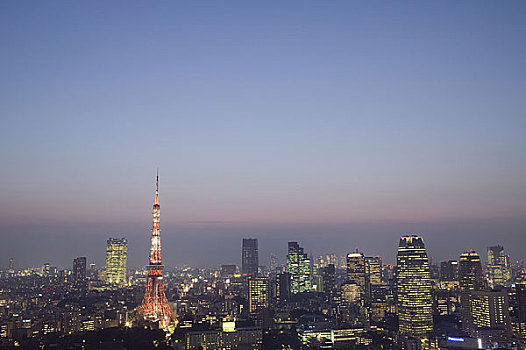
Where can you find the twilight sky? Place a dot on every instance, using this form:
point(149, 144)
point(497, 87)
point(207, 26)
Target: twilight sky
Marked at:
point(338, 124)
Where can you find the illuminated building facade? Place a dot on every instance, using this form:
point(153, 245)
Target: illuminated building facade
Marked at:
point(249, 257)
point(116, 255)
point(154, 306)
point(415, 301)
point(356, 269)
point(470, 279)
point(258, 292)
point(498, 270)
point(373, 274)
point(298, 267)
point(470, 271)
point(490, 318)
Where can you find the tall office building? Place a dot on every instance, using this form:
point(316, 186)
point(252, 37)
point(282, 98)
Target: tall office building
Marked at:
point(282, 285)
point(329, 282)
point(415, 303)
point(498, 270)
point(373, 274)
point(249, 257)
point(356, 274)
point(258, 293)
point(470, 271)
point(470, 279)
point(79, 271)
point(298, 266)
point(116, 252)
point(449, 270)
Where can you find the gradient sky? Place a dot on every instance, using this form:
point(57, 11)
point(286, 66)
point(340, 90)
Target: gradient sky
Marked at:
point(338, 124)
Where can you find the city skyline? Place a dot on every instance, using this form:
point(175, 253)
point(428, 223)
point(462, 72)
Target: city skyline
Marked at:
point(335, 125)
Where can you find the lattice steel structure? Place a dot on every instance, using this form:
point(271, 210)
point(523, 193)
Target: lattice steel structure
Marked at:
point(154, 306)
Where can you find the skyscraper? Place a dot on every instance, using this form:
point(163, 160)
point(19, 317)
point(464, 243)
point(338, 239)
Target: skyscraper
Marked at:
point(298, 266)
point(373, 274)
point(154, 306)
point(414, 288)
point(356, 274)
point(470, 271)
point(258, 293)
point(249, 257)
point(116, 253)
point(449, 270)
point(498, 269)
point(470, 279)
point(282, 285)
point(329, 282)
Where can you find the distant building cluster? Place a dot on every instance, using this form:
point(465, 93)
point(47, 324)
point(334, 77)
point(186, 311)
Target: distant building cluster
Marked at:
point(326, 302)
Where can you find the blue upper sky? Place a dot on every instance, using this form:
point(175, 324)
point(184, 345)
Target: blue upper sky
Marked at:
point(271, 113)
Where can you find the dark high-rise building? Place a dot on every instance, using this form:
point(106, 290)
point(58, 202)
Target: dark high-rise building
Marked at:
point(470, 271)
point(249, 257)
point(329, 282)
point(79, 270)
point(449, 270)
point(282, 286)
point(415, 303)
point(298, 266)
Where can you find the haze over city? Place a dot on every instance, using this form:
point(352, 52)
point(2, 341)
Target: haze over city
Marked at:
point(335, 124)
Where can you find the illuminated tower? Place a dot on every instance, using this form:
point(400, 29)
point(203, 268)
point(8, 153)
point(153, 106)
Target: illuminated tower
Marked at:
point(415, 303)
point(298, 266)
point(154, 306)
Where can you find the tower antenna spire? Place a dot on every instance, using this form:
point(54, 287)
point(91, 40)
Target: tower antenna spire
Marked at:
point(157, 188)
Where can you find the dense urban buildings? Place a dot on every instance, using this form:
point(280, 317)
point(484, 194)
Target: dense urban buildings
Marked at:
point(350, 301)
point(116, 253)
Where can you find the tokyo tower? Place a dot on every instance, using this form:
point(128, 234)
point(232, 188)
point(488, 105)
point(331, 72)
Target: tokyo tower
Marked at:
point(154, 306)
